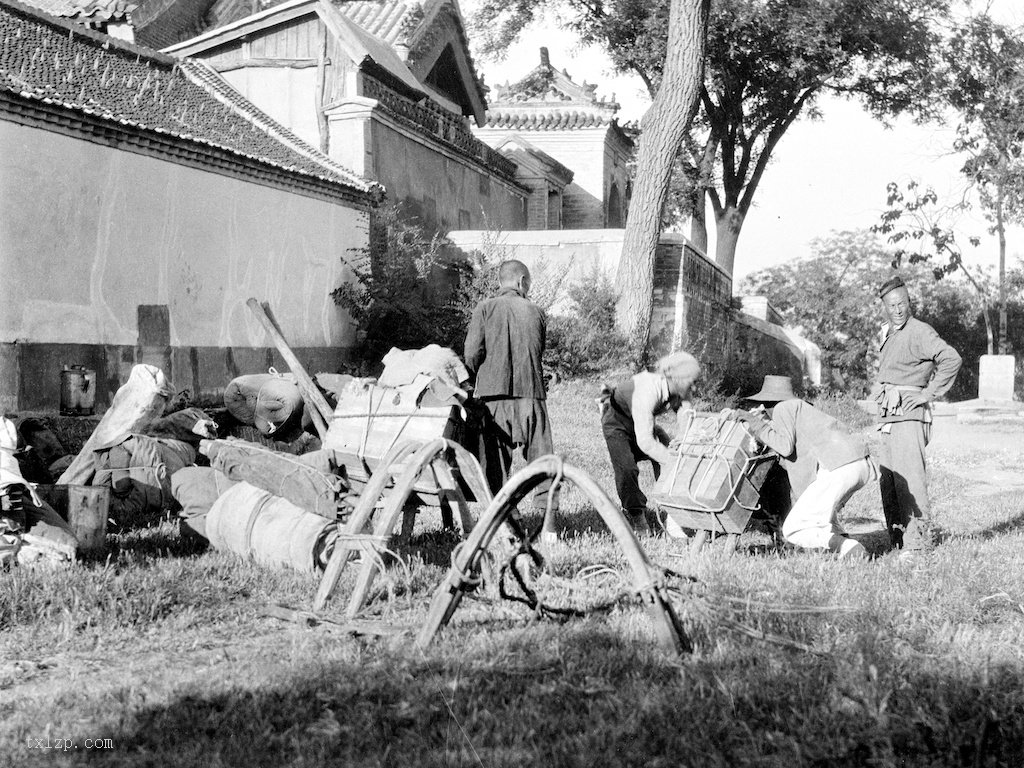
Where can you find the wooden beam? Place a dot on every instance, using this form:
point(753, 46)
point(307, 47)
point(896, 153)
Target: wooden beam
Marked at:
point(268, 64)
point(319, 410)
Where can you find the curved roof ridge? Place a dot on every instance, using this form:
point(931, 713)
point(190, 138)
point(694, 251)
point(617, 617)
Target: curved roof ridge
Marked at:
point(227, 95)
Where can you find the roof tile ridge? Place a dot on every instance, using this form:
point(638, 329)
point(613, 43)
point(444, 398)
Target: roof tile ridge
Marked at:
point(73, 27)
point(210, 80)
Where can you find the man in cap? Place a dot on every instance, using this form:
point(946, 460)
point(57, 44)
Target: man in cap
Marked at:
point(826, 465)
point(915, 367)
point(504, 350)
point(628, 411)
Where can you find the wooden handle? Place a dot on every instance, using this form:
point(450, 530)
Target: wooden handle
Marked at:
point(320, 411)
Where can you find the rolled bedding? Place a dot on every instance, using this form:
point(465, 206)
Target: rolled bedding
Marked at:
point(195, 489)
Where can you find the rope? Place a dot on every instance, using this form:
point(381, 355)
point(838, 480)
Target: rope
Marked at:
point(541, 609)
point(466, 581)
point(553, 489)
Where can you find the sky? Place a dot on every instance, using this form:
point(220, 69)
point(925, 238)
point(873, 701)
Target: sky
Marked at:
point(826, 175)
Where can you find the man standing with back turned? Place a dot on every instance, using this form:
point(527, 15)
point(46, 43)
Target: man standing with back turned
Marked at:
point(915, 367)
point(504, 349)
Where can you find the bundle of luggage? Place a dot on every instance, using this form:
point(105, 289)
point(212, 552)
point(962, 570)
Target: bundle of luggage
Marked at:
point(251, 478)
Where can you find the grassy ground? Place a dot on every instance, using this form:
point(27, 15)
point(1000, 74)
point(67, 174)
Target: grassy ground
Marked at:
point(800, 659)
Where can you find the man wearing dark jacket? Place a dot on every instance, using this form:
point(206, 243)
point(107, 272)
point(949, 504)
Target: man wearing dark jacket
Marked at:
point(504, 348)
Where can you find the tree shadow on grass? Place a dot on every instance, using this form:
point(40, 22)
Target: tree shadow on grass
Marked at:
point(1004, 528)
point(152, 542)
point(585, 697)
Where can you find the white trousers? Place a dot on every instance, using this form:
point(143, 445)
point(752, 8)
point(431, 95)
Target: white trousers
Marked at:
point(813, 522)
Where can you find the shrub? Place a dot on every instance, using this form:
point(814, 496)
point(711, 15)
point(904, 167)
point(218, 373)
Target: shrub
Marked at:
point(844, 408)
point(412, 288)
point(584, 342)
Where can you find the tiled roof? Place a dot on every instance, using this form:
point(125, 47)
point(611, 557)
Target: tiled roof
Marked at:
point(390, 20)
point(88, 10)
point(549, 100)
point(553, 120)
point(61, 63)
point(514, 145)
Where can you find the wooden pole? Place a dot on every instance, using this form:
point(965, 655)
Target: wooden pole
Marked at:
point(320, 411)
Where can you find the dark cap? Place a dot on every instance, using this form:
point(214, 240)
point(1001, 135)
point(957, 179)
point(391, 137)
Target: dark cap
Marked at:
point(891, 285)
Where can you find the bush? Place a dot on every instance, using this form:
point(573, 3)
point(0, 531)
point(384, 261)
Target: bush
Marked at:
point(412, 288)
point(844, 408)
point(584, 342)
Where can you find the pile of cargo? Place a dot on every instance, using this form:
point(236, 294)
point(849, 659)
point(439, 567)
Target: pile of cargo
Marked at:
point(265, 476)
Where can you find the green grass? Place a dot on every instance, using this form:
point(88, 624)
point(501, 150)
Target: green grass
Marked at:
point(165, 651)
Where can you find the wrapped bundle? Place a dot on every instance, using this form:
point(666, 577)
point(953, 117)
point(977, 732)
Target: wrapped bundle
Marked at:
point(138, 472)
point(269, 401)
point(269, 529)
point(195, 489)
point(307, 481)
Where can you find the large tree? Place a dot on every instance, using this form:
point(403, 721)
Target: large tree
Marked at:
point(767, 63)
point(831, 296)
point(986, 86)
point(663, 128)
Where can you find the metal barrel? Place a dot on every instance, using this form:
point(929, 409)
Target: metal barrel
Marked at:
point(77, 391)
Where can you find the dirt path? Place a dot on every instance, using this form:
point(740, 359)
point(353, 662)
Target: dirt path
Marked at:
point(989, 456)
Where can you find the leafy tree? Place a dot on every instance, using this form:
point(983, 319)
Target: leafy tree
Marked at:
point(768, 62)
point(921, 228)
point(831, 296)
point(986, 86)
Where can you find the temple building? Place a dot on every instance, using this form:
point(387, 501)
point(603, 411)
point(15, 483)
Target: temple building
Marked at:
point(387, 89)
point(143, 202)
point(550, 113)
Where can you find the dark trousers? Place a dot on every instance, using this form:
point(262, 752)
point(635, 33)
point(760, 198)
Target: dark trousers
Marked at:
point(903, 483)
point(625, 453)
point(509, 423)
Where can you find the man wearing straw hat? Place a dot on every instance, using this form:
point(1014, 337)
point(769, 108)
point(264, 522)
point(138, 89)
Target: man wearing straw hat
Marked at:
point(628, 411)
point(915, 367)
point(826, 465)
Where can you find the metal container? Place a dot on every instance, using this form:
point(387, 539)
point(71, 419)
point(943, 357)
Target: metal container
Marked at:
point(77, 391)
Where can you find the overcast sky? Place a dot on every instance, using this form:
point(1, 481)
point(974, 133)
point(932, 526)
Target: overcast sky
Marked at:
point(826, 175)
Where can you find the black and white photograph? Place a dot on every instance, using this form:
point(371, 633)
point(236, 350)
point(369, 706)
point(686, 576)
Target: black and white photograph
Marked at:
point(512, 383)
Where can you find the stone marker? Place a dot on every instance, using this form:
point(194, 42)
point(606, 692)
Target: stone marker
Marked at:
point(995, 377)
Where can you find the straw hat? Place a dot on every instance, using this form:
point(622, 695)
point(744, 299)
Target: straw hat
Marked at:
point(774, 389)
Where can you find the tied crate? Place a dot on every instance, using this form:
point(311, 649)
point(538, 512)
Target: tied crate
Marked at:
point(371, 420)
point(714, 482)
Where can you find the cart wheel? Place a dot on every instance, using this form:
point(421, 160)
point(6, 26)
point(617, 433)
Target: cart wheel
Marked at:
point(699, 537)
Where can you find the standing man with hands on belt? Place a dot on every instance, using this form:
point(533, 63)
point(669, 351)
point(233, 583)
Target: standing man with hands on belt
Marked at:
point(915, 367)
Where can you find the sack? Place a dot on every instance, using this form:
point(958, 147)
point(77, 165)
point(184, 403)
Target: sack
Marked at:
point(269, 401)
point(138, 402)
point(306, 481)
point(196, 489)
point(138, 473)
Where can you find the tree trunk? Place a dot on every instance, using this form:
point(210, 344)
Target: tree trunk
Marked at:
point(664, 127)
point(728, 226)
point(699, 223)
